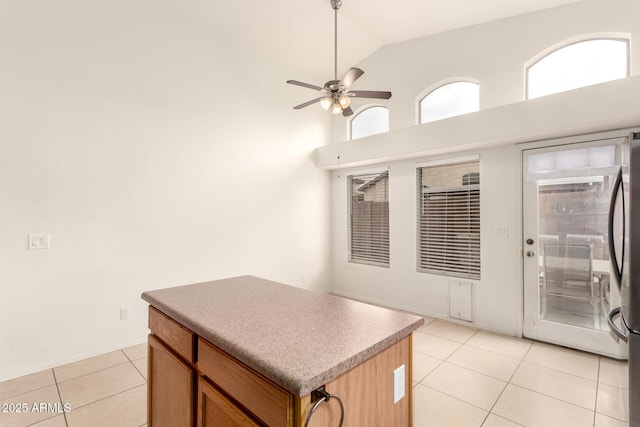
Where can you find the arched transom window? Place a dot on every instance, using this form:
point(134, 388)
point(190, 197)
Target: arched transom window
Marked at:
point(451, 99)
point(577, 65)
point(370, 121)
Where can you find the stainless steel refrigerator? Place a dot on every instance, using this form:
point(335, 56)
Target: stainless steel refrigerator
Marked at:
point(624, 247)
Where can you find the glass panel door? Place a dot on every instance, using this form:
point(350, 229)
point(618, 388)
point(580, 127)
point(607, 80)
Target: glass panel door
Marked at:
point(567, 280)
point(573, 258)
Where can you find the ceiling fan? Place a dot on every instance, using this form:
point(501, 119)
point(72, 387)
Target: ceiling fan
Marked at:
point(337, 95)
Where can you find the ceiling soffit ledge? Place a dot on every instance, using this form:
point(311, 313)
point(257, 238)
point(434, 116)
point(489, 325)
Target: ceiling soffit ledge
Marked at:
point(606, 106)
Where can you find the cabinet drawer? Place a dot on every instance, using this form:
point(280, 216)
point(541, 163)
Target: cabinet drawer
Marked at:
point(176, 336)
point(268, 402)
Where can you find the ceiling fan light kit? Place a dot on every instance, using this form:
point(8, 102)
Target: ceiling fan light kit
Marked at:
point(337, 96)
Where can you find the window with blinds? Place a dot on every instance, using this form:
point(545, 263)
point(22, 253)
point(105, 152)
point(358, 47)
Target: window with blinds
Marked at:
point(449, 219)
point(369, 218)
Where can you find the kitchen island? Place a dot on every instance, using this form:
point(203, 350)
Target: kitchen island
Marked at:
point(247, 351)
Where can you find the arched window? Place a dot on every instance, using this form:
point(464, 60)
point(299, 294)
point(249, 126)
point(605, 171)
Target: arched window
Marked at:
point(577, 65)
point(370, 121)
point(451, 99)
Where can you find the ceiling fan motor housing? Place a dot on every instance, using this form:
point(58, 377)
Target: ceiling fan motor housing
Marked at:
point(333, 86)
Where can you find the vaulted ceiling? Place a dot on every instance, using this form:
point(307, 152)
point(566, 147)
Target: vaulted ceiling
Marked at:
point(300, 32)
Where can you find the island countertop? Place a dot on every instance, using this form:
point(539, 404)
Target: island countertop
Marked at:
point(296, 338)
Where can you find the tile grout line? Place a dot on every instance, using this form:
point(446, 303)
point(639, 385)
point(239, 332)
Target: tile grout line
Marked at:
point(431, 371)
point(595, 411)
point(565, 372)
point(457, 398)
point(489, 412)
point(96, 371)
point(595, 405)
point(126, 355)
point(64, 414)
point(110, 396)
point(488, 351)
point(446, 359)
point(130, 359)
point(29, 391)
point(140, 372)
point(477, 372)
point(55, 379)
point(134, 365)
point(476, 348)
point(555, 370)
point(473, 370)
point(501, 336)
point(553, 397)
point(507, 384)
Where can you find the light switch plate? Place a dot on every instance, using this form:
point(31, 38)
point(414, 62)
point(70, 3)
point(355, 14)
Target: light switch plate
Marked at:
point(398, 384)
point(39, 241)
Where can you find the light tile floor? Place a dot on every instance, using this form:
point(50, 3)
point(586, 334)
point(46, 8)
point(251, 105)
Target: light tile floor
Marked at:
point(462, 377)
point(468, 377)
point(109, 390)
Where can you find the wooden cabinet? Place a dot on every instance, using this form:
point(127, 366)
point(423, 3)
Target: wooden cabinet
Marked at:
point(173, 334)
point(170, 388)
point(194, 383)
point(215, 410)
point(263, 399)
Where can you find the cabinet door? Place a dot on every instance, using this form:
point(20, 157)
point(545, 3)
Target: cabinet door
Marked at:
point(216, 410)
point(171, 388)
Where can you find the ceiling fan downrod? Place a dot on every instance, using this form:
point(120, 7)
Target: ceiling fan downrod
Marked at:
point(335, 4)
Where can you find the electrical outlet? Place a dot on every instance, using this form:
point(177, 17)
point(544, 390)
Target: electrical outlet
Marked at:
point(39, 241)
point(124, 313)
point(398, 384)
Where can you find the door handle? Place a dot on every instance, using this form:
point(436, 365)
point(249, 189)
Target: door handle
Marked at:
point(617, 333)
point(617, 273)
point(530, 254)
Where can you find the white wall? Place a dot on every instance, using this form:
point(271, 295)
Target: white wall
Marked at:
point(493, 54)
point(156, 152)
point(401, 285)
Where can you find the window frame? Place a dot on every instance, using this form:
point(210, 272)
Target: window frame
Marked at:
point(376, 259)
point(474, 270)
point(621, 37)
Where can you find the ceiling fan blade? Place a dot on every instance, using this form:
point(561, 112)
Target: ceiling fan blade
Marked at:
point(370, 94)
point(346, 112)
point(306, 104)
point(307, 85)
point(351, 76)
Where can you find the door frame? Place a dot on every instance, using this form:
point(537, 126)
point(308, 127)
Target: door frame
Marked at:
point(519, 159)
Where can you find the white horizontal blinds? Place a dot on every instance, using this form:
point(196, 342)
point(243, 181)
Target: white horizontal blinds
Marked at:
point(369, 218)
point(449, 219)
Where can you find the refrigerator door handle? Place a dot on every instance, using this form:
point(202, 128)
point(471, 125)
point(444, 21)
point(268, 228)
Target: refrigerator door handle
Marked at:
point(617, 333)
point(612, 207)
